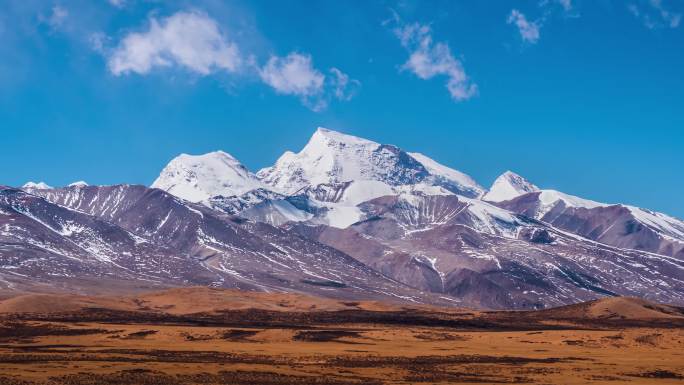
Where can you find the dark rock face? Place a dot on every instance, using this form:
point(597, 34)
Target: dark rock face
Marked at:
point(405, 169)
point(236, 204)
point(536, 235)
point(325, 192)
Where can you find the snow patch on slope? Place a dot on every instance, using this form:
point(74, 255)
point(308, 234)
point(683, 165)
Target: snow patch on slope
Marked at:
point(491, 219)
point(665, 224)
point(341, 216)
point(290, 212)
point(550, 198)
point(456, 177)
point(365, 190)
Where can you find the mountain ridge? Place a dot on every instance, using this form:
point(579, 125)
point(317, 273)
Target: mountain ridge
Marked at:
point(348, 217)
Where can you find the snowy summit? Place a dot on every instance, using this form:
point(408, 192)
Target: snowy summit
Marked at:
point(197, 178)
point(36, 186)
point(507, 186)
point(373, 169)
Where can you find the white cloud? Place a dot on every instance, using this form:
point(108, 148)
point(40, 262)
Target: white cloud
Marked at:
point(194, 41)
point(428, 59)
point(655, 15)
point(191, 40)
point(293, 74)
point(344, 87)
point(529, 31)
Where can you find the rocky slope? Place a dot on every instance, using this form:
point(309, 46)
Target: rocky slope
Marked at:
point(140, 234)
point(619, 225)
point(484, 255)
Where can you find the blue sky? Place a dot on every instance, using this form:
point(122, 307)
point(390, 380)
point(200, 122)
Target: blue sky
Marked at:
point(586, 97)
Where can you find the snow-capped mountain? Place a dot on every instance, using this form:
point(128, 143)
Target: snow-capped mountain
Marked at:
point(362, 168)
point(618, 225)
point(197, 178)
point(36, 186)
point(328, 180)
point(336, 172)
point(344, 217)
point(331, 175)
point(508, 186)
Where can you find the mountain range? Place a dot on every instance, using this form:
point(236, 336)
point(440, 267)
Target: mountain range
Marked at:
point(347, 218)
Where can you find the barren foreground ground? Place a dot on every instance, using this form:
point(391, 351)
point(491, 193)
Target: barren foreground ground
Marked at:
point(612, 341)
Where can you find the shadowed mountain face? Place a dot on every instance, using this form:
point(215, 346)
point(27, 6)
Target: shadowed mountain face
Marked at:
point(616, 225)
point(345, 217)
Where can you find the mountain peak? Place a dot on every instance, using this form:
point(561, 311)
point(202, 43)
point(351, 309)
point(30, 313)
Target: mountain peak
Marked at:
point(324, 137)
point(331, 157)
point(36, 186)
point(219, 153)
point(328, 157)
point(507, 186)
point(510, 175)
point(79, 183)
point(324, 131)
point(197, 178)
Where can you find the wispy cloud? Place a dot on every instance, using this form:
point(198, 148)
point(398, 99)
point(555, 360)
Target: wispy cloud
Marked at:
point(428, 59)
point(566, 4)
point(118, 3)
point(295, 74)
point(548, 5)
point(529, 30)
point(97, 42)
point(344, 87)
point(57, 17)
point(191, 40)
point(653, 14)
